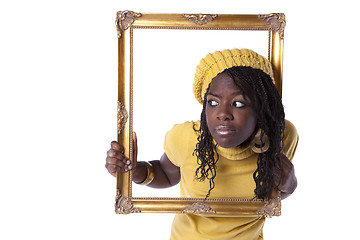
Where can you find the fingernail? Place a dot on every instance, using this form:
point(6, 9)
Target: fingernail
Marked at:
point(128, 162)
point(129, 167)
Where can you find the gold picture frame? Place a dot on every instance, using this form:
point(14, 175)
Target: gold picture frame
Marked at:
point(126, 22)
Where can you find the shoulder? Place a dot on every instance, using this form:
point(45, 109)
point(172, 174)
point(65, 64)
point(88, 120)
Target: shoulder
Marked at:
point(291, 139)
point(290, 129)
point(180, 141)
point(183, 129)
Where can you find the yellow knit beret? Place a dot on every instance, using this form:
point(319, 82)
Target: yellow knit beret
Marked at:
point(217, 62)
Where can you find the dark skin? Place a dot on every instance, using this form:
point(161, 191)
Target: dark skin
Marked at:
point(231, 122)
point(229, 116)
point(166, 173)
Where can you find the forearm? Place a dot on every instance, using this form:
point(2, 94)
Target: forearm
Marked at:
point(160, 180)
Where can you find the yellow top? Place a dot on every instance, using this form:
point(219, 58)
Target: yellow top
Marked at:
point(234, 179)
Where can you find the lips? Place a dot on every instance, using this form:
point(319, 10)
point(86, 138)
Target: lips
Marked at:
point(224, 130)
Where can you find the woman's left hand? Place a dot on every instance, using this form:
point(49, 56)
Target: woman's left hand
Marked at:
point(285, 180)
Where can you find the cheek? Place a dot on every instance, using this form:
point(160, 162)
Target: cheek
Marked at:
point(208, 116)
point(247, 123)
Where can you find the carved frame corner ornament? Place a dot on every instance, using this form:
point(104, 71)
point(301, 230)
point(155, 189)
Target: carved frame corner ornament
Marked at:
point(199, 208)
point(122, 117)
point(123, 204)
point(272, 207)
point(276, 22)
point(200, 19)
point(124, 19)
point(273, 27)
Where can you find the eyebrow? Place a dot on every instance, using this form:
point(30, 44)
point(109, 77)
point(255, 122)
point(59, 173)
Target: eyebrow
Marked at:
point(233, 94)
point(212, 94)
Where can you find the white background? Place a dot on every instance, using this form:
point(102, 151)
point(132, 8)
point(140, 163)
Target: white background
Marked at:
point(58, 73)
point(164, 67)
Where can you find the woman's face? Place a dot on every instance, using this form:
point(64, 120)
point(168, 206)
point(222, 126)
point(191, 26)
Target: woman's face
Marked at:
point(230, 119)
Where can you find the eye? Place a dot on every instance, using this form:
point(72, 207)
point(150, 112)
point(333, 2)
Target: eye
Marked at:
point(238, 104)
point(212, 103)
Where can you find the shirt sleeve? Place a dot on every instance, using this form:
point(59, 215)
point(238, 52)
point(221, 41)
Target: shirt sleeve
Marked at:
point(291, 139)
point(176, 143)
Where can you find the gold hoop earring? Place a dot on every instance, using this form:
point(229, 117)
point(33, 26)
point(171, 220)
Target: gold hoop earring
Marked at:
point(260, 143)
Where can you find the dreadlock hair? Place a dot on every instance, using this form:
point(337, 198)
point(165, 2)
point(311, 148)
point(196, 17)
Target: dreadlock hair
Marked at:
point(207, 155)
point(266, 103)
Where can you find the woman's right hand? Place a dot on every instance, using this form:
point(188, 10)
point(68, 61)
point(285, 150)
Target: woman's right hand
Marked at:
point(116, 161)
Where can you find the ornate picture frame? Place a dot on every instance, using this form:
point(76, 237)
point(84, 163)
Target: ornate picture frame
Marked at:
point(126, 22)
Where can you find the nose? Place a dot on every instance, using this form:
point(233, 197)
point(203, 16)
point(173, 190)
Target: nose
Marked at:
point(224, 114)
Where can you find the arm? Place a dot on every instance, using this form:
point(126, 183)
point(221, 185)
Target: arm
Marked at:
point(285, 179)
point(166, 173)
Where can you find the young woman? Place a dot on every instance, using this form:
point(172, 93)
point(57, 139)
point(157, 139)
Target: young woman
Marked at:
point(240, 148)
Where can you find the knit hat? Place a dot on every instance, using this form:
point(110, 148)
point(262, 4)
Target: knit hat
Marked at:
point(217, 62)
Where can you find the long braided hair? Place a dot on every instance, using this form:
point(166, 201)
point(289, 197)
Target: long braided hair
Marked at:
point(267, 105)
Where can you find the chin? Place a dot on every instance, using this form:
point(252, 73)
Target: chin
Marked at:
point(225, 143)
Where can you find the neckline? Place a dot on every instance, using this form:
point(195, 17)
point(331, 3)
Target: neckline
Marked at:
point(235, 153)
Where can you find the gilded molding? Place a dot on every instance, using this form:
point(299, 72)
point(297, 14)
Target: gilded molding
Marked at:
point(199, 208)
point(127, 21)
point(200, 19)
point(124, 20)
point(276, 22)
point(272, 207)
point(122, 117)
point(123, 205)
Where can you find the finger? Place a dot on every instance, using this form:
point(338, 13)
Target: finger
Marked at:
point(116, 154)
point(113, 156)
point(135, 152)
point(115, 162)
point(117, 167)
point(116, 146)
point(113, 169)
point(124, 165)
